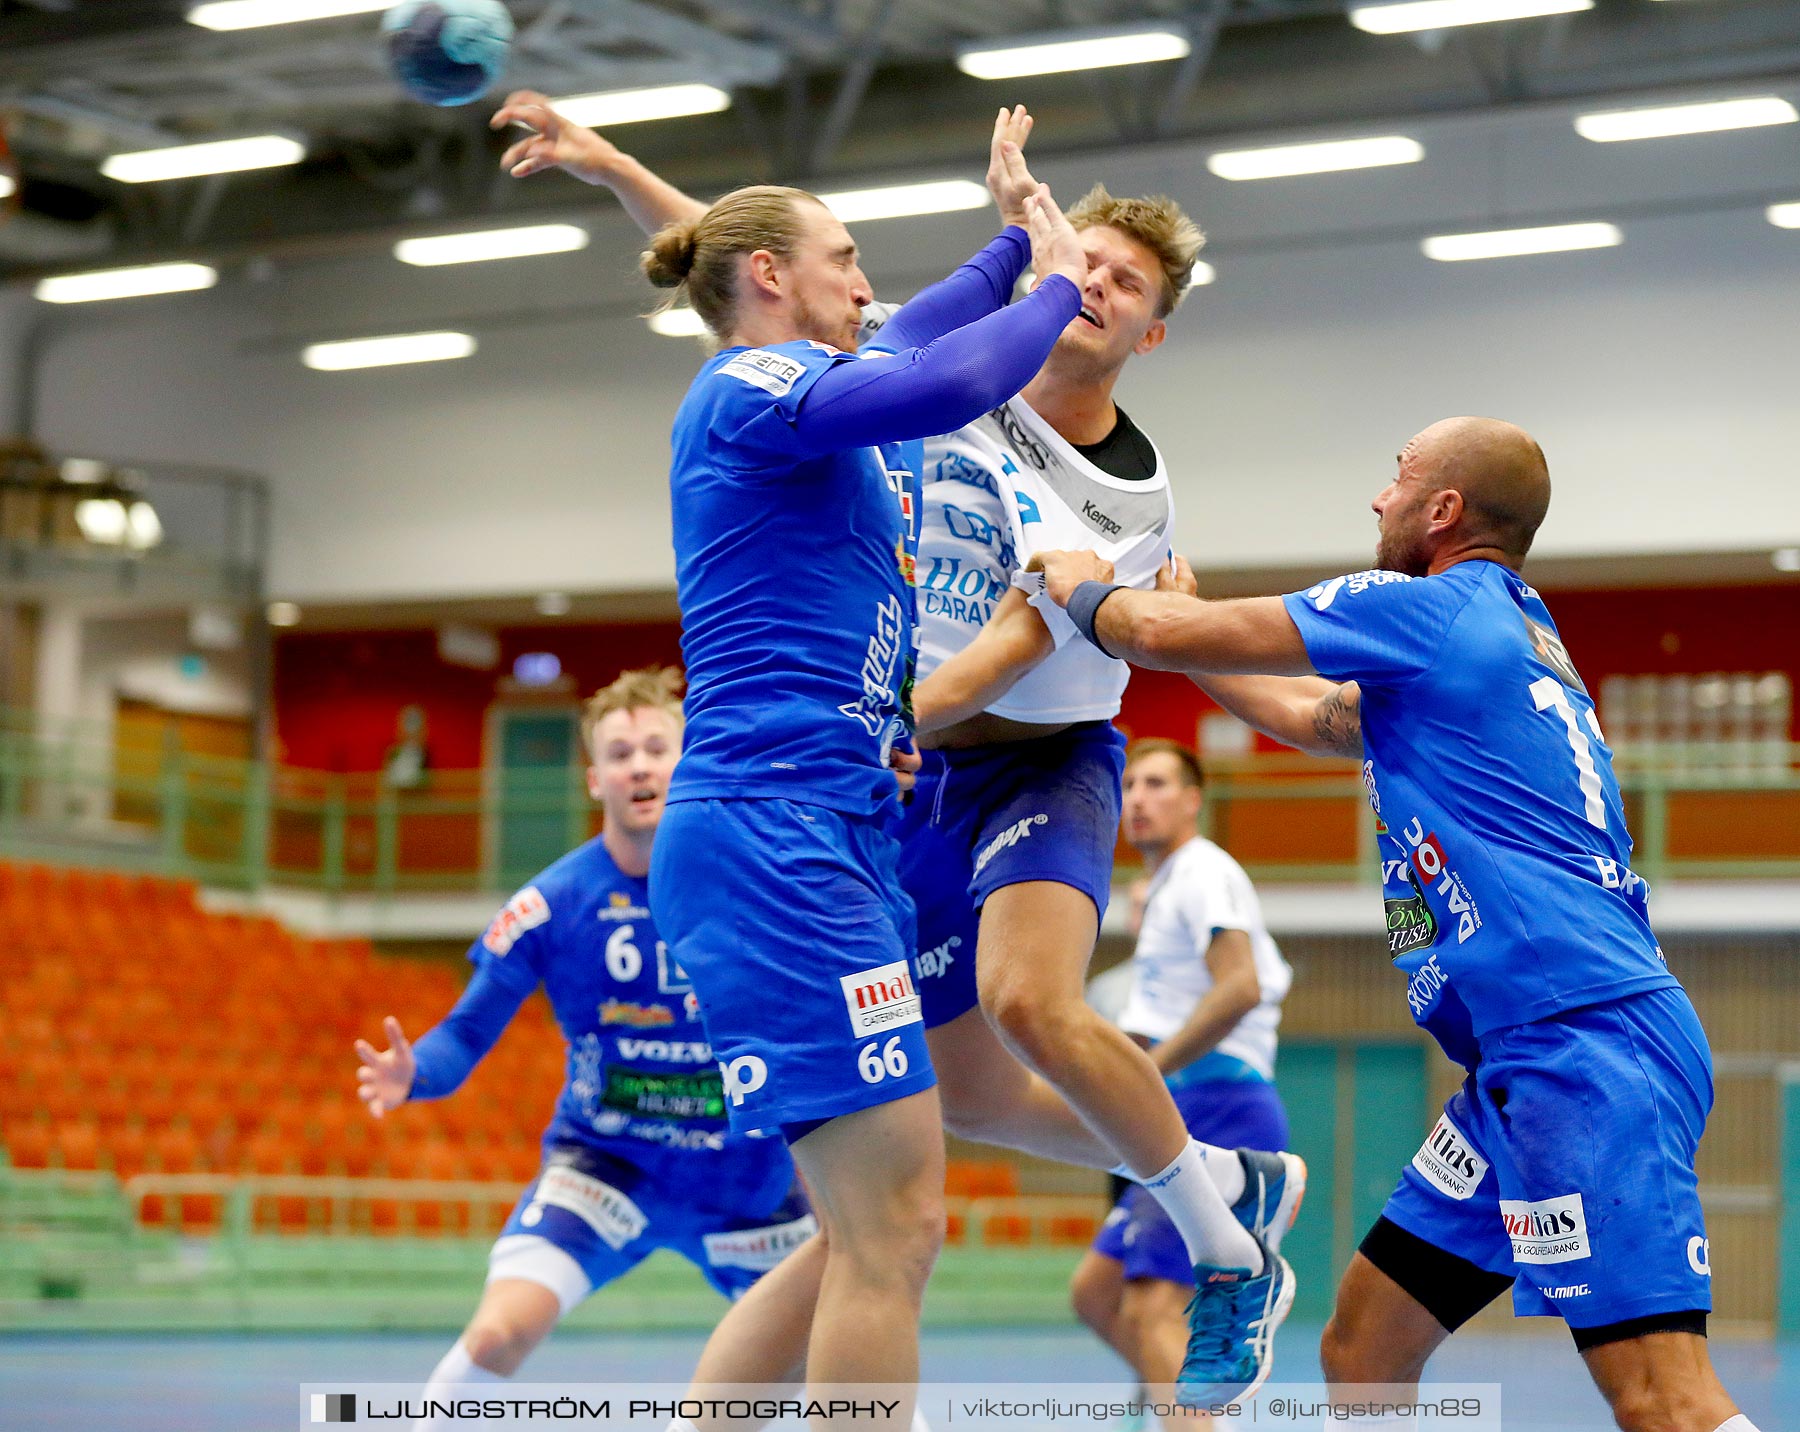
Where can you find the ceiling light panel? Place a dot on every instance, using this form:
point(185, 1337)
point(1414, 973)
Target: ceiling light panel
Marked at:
point(900, 201)
point(1514, 243)
point(387, 351)
point(219, 156)
point(1282, 160)
point(611, 108)
point(1447, 14)
point(488, 244)
point(252, 14)
point(1664, 121)
point(138, 282)
point(1053, 55)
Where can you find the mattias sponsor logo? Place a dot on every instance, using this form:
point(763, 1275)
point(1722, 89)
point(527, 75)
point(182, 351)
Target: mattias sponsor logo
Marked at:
point(1008, 838)
point(880, 999)
point(1433, 868)
point(758, 1249)
point(1552, 1230)
point(525, 911)
point(599, 1205)
point(1449, 1161)
point(1099, 520)
point(1356, 583)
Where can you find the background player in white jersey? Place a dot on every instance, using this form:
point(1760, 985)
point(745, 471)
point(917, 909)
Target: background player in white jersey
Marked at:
point(1205, 993)
point(1022, 716)
point(1564, 1166)
point(637, 1156)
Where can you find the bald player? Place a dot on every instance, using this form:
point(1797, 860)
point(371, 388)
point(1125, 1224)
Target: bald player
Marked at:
point(1564, 1166)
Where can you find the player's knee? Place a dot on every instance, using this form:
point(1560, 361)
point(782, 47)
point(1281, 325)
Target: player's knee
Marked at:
point(1033, 1021)
point(901, 1244)
point(498, 1344)
point(1351, 1351)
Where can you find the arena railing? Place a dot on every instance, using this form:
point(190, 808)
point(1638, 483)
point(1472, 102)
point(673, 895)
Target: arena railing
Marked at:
point(85, 793)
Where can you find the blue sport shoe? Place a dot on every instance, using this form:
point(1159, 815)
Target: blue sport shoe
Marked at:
point(1231, 1330)
point(1274, 1186)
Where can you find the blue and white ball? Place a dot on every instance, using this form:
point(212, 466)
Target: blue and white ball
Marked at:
point(447, 51)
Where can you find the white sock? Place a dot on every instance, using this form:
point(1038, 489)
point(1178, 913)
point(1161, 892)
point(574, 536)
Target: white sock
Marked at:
point(1192, 1200)
point(681, 1424)
point(919, 1424)
point(457, 1369)
point(1740, 1423)
point(1227, 1171)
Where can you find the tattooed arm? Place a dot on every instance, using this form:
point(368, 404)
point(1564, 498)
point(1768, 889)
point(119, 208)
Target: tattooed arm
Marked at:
point(1309, 713)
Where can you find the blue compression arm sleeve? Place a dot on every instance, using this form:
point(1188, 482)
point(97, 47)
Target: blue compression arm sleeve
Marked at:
point(445, 1054)
point(940, 387)
point(980, 286)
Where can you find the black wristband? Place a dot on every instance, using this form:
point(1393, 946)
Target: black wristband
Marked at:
point(1084, 607)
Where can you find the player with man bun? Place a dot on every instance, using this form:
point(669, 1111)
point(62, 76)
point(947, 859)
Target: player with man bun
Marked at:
point(1028, 717)
point(638, 1155)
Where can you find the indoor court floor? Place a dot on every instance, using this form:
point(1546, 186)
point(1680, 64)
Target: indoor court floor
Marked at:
point(199, 1383)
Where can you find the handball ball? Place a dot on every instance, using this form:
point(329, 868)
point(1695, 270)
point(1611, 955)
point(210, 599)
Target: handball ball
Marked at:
point(447, 51)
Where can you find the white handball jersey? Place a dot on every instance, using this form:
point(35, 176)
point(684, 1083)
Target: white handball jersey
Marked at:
point(993, 494)
point(1000, 490)
point(1199, 891)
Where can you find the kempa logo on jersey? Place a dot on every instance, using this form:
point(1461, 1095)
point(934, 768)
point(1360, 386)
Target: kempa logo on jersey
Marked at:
point(1448, 1160)
point(1098, 519)
point(667, 1051)
point(1356, 583)
point(881, 998)
point(525, 911)
point(758, 1249)
point(1551, 1230)
point(936, 962)
point(1433, 866)
point(1008, 838)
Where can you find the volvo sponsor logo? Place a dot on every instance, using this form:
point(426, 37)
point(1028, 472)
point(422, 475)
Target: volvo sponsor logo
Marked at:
point(664, 1051)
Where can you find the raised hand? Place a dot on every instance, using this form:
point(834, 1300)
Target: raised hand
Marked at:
point(1065, 571)
point(555, 143)
point(1008, 180)
point(385, 1080)
point(1055, 246)
point(1178, 578)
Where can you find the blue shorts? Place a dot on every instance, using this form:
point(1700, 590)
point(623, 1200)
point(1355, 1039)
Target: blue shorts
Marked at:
point(588, 1218)
point(1566, 1161)
point(1001, 815)
point(1241, 1114)
point(791, 923)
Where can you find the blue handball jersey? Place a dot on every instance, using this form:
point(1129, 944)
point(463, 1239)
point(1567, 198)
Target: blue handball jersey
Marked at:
point(642, 1083)
point(796, 606)
point(1487, 767)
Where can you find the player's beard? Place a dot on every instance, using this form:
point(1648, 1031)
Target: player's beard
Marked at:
point(1402, 551)
point(814, 325)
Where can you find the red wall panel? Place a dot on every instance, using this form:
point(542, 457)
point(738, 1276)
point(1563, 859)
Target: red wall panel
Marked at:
point(337, 695)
